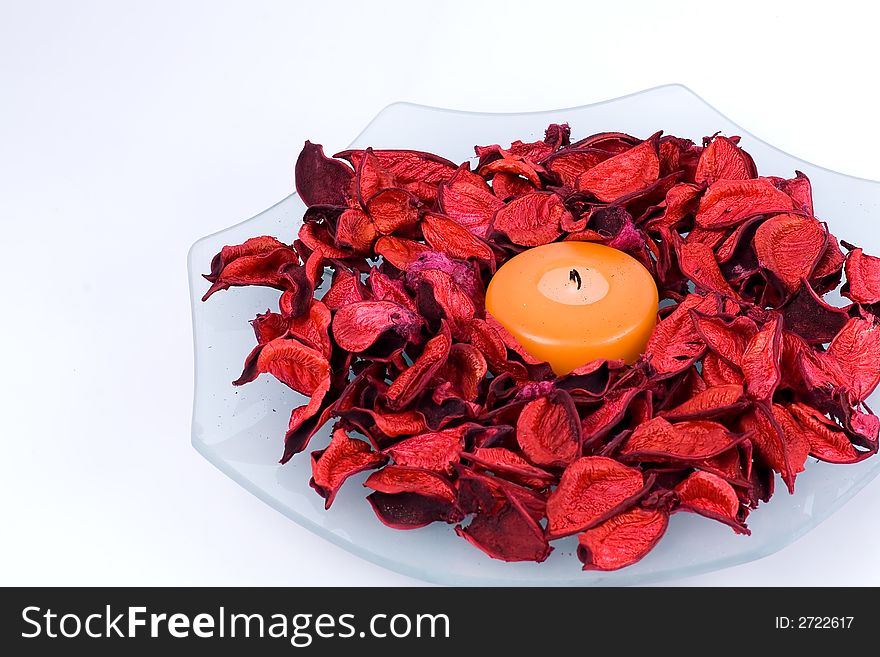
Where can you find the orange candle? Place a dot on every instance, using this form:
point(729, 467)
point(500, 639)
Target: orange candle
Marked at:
point(568, 303)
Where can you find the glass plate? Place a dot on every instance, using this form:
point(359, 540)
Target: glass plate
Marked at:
point(240, 429)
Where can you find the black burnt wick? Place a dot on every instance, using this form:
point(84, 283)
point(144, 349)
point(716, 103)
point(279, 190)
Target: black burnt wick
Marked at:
point(575, 277)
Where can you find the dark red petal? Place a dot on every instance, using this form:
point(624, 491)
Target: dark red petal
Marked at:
point(507, 532)
point(320, 180)
point(408, 498)
point(591, 490)
point(811, 317)
point(622, 540)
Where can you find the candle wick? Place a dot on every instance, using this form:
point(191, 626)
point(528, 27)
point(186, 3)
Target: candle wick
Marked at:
point(574, 276)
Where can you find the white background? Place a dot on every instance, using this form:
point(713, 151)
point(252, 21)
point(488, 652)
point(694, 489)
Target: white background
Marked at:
point(128, 130)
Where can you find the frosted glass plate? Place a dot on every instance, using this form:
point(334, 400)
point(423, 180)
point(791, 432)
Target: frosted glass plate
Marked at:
point(240, 429)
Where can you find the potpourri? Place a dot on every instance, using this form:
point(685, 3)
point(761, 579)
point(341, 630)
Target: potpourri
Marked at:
point(381, 324)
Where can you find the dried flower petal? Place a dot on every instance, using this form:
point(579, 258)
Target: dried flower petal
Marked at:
point(789, 245)
point(622, 540)
point(693, 440)
point(711, 496)
point(591, 490)
point(548, 430)
point(344, 457)
point(728, 202)
point(532, 219)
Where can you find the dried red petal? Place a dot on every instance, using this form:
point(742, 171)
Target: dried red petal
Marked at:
point(447, 236)
point(698, 263)
point(417, 171)
point(789, 245)
point(510, 465)
point(548, 430)
point(508, 533)
point(597, 424)
point(693, 440)
point(760, 361)
point(532, 219)
point(257, 261)
point(358, 326)
point(569, 165)
point(345, 289)
point(711, 496)
point(400, 252)
point(468, 200)
point(799, 189)
point(434, 450)
point(393, 209)
point(355, 232)
point(778, 441)
point(718, 372)
point(715, 401)
point(515, 167)
point(811, 317)
point(320, 180)
point(409, 498)
point(724, 160)
point(591, 490)
point(827, 441)
point(623, 174)
point(342, 458)
point(371, 177)
point(675, 344)
point(856, 352)
point(507, 186)
point(622, 540)
point(318, 239)
point(464, 369)
point(411, 381)
point(727, 339)
point(862, 277)
point(313, 329)
point(300, 367)
point(728, 202)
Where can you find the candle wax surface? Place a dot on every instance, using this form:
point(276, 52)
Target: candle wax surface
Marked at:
point(568, 303)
